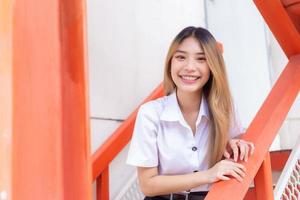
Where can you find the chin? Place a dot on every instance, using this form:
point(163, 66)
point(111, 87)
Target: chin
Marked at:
point(190, 90)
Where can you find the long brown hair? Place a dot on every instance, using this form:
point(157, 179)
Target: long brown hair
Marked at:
point(216, 90)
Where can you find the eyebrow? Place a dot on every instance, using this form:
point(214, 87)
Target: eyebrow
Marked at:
point(180, 51)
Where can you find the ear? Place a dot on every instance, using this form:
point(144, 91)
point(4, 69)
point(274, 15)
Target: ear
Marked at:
point(220, 47)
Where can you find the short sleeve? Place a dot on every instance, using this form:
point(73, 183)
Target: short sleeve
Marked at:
point(236, 127)
point(143, 147)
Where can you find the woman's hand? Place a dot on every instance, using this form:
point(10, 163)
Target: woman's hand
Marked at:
point(225, 168)
point(239, 149)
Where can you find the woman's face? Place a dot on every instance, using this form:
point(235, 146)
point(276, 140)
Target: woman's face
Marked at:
point(189, 69)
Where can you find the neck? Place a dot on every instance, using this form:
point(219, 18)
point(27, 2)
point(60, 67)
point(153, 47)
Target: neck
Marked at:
point(189, 102)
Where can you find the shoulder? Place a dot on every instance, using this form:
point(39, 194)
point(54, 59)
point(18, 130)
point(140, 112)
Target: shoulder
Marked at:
point(153, 108)
point(148, 116)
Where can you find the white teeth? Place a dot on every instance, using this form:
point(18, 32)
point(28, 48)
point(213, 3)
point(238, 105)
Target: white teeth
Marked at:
point(190, 78)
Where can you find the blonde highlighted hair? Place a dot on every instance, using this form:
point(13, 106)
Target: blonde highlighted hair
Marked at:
point(216, 90)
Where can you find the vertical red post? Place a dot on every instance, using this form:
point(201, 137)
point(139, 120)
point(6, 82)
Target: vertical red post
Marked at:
point(5, 98)
point(50, 123)
point(263, 181)
point(103, 185)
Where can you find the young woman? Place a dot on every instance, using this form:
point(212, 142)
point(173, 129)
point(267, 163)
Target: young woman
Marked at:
point(188, 139)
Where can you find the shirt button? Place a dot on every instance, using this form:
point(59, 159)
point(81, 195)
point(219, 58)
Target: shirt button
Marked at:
point(194, 148)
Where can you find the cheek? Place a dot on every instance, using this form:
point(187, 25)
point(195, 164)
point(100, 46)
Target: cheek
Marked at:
point(173, 73)
point(206, 71)
point(174, 70)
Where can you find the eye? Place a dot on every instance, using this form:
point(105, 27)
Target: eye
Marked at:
point(201, 59)
point(180, 57)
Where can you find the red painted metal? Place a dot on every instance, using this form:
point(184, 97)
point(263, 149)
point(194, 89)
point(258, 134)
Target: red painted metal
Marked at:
point(250, 194)
point(102, 184)
point(263, 180)
point(293, 9)
point(281, 25)
point(51, 153)
point(5, 97)
point(263, 129)
point(279, 158)
point(278, 161)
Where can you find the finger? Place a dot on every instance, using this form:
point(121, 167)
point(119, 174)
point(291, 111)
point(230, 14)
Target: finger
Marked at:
point(228, 148)
point(226, 154)
point(251, 147)
point(240, 172)
point(236, 175)
point(235, 150)
point(246, 152)
point(240, 166)
point(224, 178)
point(242, 150)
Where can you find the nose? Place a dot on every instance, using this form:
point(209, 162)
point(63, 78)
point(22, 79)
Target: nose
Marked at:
point(190, 65)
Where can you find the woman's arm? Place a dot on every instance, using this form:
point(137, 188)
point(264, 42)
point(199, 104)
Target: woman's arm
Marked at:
point(153, 184)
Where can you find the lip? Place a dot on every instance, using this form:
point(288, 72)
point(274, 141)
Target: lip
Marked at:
point(187, 81)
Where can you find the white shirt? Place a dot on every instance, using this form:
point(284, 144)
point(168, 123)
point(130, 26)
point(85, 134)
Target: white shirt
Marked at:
point(162, 138)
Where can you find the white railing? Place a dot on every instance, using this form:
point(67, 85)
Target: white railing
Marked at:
point(131, 190)
point(288, 185)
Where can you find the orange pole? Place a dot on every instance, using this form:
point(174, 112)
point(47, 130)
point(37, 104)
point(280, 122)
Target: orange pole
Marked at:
point(50, 142)
point(103, 185)
point(263, 181)
point(5, 98)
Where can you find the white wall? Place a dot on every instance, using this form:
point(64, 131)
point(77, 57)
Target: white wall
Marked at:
point(127, 44)
point(238, 25)
point(290, 129)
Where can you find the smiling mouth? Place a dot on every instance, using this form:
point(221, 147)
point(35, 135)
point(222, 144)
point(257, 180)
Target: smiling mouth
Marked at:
point(189, 78)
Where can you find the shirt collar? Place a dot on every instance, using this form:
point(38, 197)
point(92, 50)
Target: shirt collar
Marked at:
point(172, 112)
